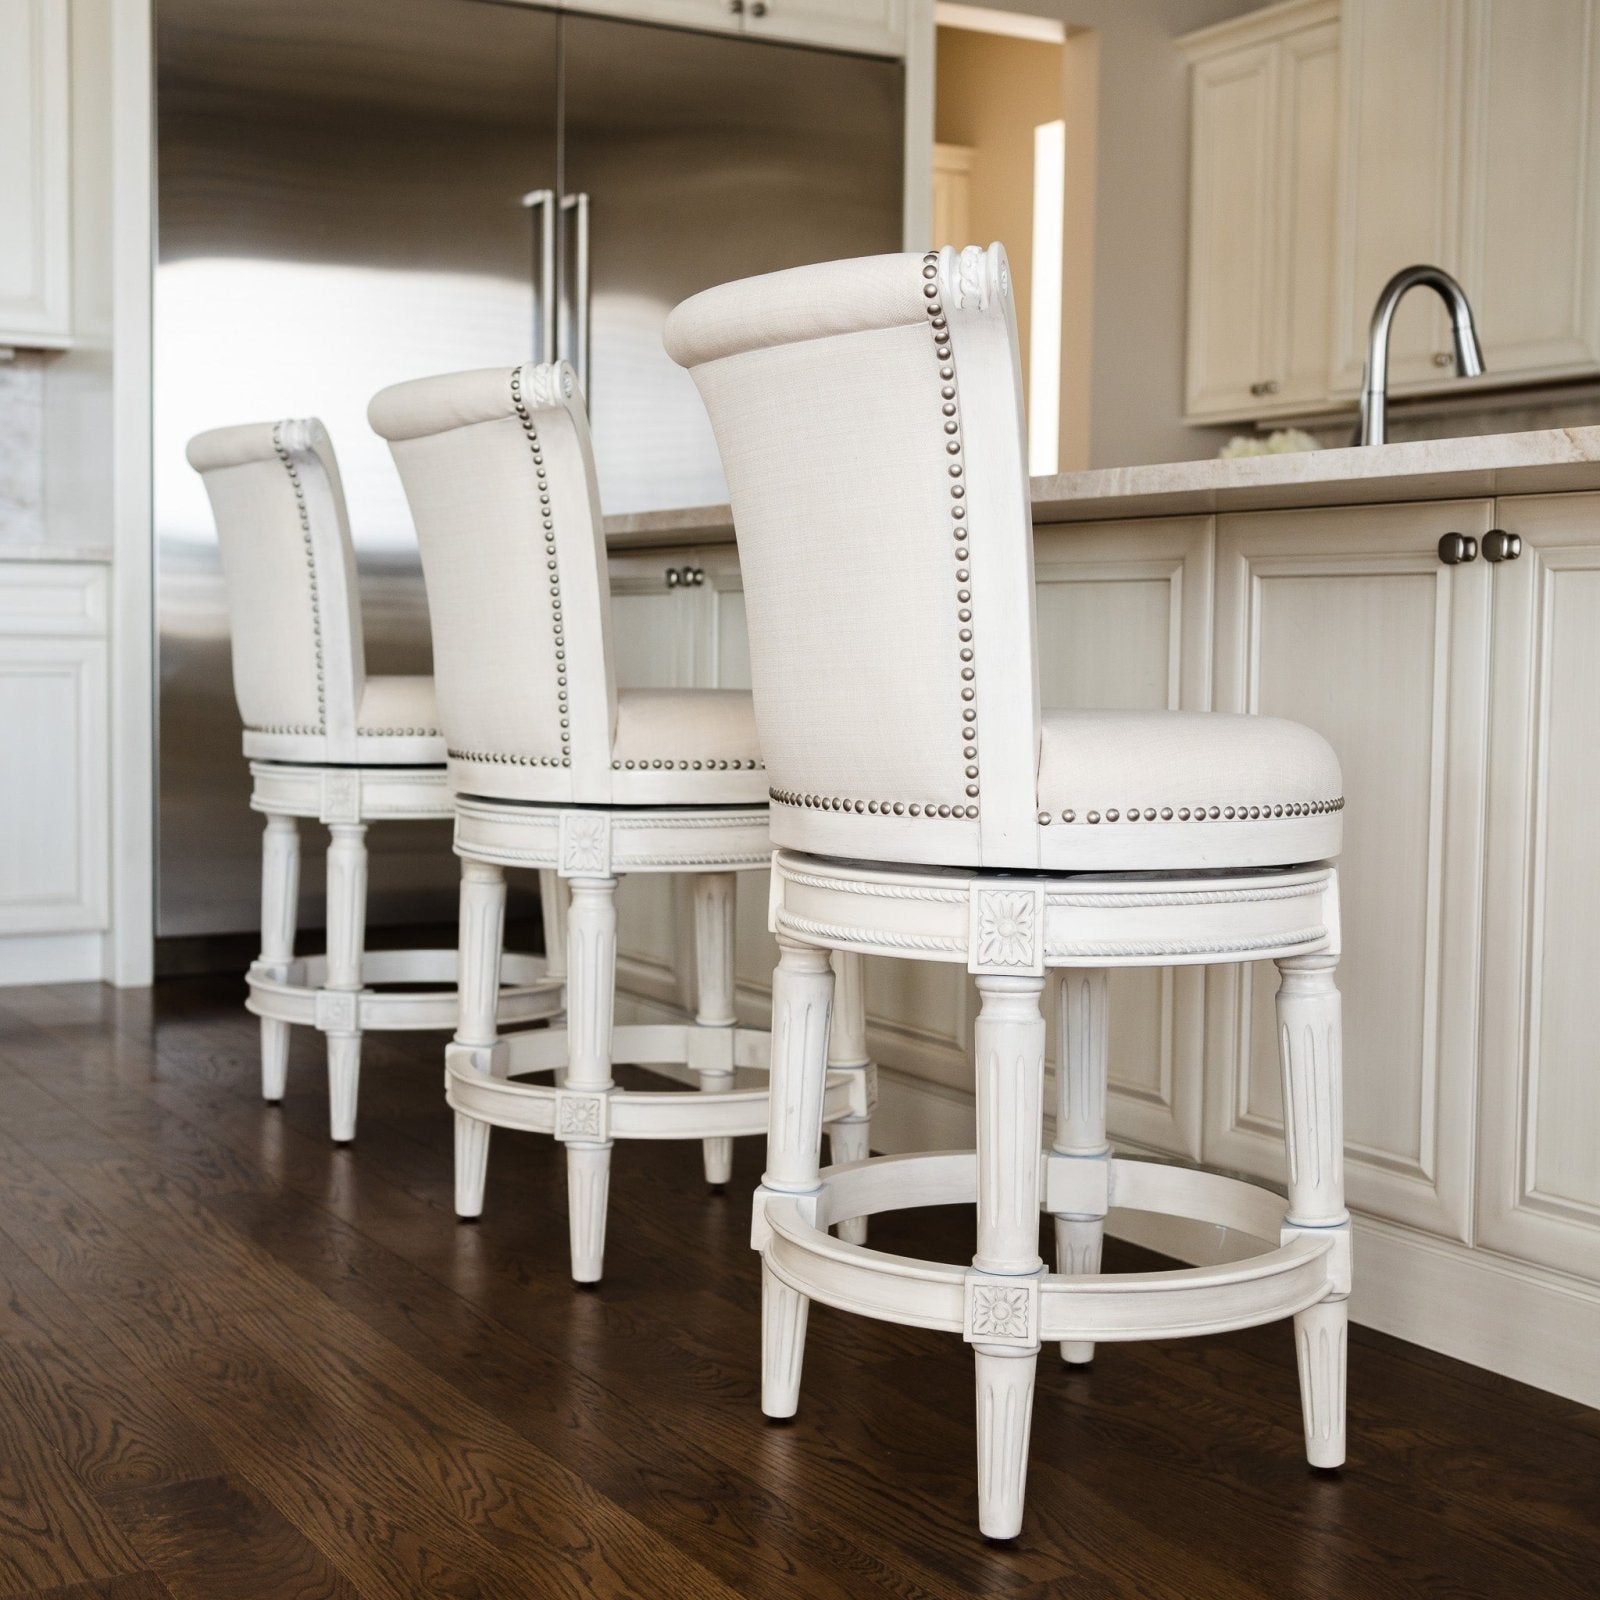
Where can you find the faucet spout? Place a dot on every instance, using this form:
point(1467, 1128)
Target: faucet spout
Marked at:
point(1464, 335)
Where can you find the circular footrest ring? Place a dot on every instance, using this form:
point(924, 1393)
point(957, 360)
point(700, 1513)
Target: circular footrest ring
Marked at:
point(528, 992)
point(1046, 1306)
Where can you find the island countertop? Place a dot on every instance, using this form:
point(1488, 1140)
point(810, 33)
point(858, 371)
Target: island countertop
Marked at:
point(1548, 461)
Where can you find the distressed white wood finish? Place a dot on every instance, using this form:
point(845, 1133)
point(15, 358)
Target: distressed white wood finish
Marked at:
point(848, 1136)
point(280, 899)
point(1539, 1131)
point(1351, 624)
point(713, 947)
point(35, 174)
point(1263, 162)
point(1005, 1304)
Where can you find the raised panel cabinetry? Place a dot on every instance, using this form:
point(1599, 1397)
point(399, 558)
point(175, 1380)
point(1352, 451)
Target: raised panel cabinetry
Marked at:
point(35, 272)
point(1347, 621)
point(53, 783)
point(1539, 1183)
point(1471, 139)
point(1263, 162)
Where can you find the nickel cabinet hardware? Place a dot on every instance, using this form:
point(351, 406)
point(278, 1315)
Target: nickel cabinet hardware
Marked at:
point(1456, 548)
point(1498, 545)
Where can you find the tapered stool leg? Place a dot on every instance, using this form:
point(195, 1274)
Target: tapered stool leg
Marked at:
point(847, 1052)
point(582, 1112)
point(802, 996)
point(713, 948)
point(1003, 1305)
point(553, 914)
point(479, 940)
point(339, 1003)
point(280, 901)
point(1310, 1043)
point(1081, 1121)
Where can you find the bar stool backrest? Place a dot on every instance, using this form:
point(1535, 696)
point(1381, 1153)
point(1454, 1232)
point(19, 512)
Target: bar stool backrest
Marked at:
point(869, 416)
point(294, 608)
point(499, 472)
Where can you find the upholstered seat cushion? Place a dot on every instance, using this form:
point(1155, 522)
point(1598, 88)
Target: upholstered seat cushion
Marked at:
point(397, 725)
point(1157, 789)
point(673, 747)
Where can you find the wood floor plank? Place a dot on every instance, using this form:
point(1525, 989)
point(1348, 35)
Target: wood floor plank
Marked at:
point(355, 1360)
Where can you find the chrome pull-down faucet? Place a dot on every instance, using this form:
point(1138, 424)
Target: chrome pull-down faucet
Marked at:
point(1375, 384)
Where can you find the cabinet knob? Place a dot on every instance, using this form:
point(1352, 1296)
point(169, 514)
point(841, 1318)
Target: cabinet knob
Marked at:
point(1266, 386)
point(674, 577)
point(1442, 358)
point(1456, 548)
point(736, 7)
point(1498, 545)
point(759, 9)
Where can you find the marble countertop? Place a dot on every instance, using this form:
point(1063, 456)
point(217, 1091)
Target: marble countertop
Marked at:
point(1549, 461)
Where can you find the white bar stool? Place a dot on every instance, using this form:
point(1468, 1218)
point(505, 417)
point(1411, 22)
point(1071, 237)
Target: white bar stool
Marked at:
point(553, 766)
point(329, 743)
point(869, 417)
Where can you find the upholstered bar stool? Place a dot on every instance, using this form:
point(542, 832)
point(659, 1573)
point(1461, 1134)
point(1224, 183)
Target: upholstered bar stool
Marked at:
point(870, 421)
point(553, 766)
point(329, 743)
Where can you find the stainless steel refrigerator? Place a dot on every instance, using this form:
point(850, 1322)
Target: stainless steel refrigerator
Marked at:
point(352, 192)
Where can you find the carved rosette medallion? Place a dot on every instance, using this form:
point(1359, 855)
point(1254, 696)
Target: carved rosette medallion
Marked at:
point(581, 1115)
point(585, 844)
point(1002, 1310)
point(341, 797)
point(1006, 933)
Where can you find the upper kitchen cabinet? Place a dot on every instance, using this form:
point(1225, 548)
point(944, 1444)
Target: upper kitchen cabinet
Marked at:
point(1471, 138)
point(874, 27)
point(35, 281)
point(1264, 160)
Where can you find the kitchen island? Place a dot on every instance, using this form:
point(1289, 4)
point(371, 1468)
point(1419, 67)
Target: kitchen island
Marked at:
point(1434, 610)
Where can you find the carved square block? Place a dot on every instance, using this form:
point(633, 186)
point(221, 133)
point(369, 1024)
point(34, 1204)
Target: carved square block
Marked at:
point(583, 1114)
point(1002, 1310)
point(341, 797)
point(585, 845)
point(1005, 933)
point(338, 1011)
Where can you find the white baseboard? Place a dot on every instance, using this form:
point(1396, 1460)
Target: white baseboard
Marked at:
point(51, 958)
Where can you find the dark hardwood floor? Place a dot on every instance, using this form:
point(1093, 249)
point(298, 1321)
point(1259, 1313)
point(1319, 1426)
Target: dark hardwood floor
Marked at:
point(235, 1361)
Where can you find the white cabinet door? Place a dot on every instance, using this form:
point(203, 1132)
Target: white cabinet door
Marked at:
point(1264, 155)
point(875, 27)
point(1531, 185)
point(1124, 624)
point(1402, 139)
point(1539, 1138)
point(1231, 201)
point(1346, 620)
point(35, 281)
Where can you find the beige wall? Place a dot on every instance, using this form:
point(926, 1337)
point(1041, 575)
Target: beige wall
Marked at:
point(1141, 163)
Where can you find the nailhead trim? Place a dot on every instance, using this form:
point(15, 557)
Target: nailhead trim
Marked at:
point(363, 733)
point(876, 808)
point(556, 626)
point(311, 572)
point(666, 764)
point(1304, 808)
point(499, 758)
point(297, 728)
point(950, 411)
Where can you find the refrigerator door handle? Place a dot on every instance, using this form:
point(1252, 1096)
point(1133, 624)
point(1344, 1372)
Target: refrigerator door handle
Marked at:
point(577, 339)
point(542, 201)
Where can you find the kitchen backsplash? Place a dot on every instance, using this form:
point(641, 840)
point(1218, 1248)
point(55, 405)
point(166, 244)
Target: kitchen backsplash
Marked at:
point(22, 448)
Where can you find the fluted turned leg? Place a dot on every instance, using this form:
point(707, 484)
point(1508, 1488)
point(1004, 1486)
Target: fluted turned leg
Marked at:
point(280, 902)
point(553, 914)
point(339, 1004)
point(1003, 1303)
point(802, 995)
point(847, 1052)
point(582, 1112)
point(480, 935)
point(713, 946)
point(1081, 1121)
point(1310, 1045)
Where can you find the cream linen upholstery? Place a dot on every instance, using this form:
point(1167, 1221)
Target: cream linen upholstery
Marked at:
point(499, 472)
point(299, 671)
point(870, 425)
